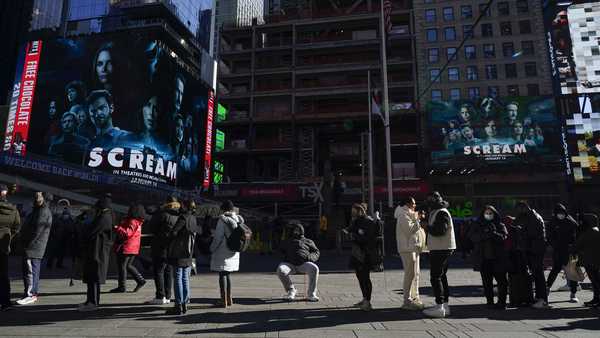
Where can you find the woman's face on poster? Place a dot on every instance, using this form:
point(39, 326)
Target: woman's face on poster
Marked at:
point(490, 129)
point(465, 114)
point(104, 66)
point(179, 130)
point(71, 94)
point(518, 128)
point(150, 114)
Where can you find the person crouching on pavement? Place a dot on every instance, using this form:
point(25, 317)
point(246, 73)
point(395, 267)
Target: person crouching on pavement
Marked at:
point(127, 247)
point(410, 239)
point(441, 244)
point(367, 252)
point(489, 257)
point(300, 255)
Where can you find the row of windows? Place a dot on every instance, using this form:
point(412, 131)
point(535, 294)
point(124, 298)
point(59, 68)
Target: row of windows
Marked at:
point(492, 91)
point(487, 31)
point(491, 72)
point(466, 11)
point(488, 51)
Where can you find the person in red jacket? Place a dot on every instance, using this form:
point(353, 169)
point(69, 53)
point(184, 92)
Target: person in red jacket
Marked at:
point(127, 247)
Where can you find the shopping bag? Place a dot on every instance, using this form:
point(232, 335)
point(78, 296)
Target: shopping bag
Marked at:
point(574, 272)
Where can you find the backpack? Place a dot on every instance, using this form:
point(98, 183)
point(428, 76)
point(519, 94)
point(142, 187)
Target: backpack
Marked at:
point(240, 237)
point(438, 229)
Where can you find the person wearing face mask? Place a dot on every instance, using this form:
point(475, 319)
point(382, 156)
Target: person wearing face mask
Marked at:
point(488, 234)
point(441, 243)
point(34, 236)
point(300, 255)
point(410, 239)
point(563, 232)
point(367, 254)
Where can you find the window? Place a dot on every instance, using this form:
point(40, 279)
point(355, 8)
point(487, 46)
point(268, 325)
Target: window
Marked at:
point(468, 31)
point(449, 34)
point(448, 13)
point(482, 10)
point(503, 8)
point(527, 47)
point(470, 52)
point(466, 12)
point(511, 70)
point(473, 93)
point(493, 91)
point(513, 90)
point(436, 95)
point(430, 15)
point(453, 74)
point(525, 27)
point(433, 55)
point(434, 75)
point(489, 51)
point(487, 30)
point(491, 72)
point(455, 94)
point(451, 53)
point(472, 73)
point(508, 49)
point(505, 28)
point(530, 69)
point(533, 89)
point(432, 35)
point(522, 6)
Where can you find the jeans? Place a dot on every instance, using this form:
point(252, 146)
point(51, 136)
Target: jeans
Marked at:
point(93, 294)
point(284, 270)
point(593, 273)
point(4, 280)
point(364, 281)
point(412, 270)
point(182, 285)
point(125, 264)
point(488, 273)
point(163, 278)
point(536, 265)
point(439, 281)
point(31, 276)
point(225, 283)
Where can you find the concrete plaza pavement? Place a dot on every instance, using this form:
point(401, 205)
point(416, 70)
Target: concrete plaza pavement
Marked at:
point(260, 312)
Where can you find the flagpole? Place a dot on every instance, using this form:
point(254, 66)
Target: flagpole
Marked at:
point(370, 145)
point(386, 110)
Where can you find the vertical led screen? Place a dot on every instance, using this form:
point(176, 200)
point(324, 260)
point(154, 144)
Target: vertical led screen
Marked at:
point(583, 137)
point(116, 103)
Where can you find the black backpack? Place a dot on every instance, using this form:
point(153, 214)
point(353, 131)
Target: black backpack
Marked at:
point(439, 229)
point(240, 238)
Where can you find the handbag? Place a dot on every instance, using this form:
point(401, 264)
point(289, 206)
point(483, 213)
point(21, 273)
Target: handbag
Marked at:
point(572, 271)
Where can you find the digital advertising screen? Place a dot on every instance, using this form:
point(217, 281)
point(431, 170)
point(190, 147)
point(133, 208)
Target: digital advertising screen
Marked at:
point(119, 104)
point(583, 138)
point(509, 130)
point(573, 34)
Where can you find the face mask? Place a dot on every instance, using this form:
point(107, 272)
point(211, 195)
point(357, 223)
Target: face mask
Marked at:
point(488, 217)
point(561, 216)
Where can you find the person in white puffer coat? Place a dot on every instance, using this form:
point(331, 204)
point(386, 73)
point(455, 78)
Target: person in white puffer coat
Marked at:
point(223, 260)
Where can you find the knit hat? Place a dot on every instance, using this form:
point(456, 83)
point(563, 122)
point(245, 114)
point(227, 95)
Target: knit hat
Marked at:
point(227, 205)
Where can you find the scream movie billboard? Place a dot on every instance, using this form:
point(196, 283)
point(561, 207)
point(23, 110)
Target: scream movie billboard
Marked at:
point(120, 104)
point(467, 133)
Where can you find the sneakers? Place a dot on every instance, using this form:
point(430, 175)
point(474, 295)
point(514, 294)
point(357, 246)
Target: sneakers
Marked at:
point(366, 306)
point(437, 311)
point(158, 301)
point(412, 305)
point(89, 307)
point(120, 289)
point(447, 309)
point(291, 295)
point(540, 304)
point(573, 298)
point(139, 285)
point(27, 300)
point(313, 299)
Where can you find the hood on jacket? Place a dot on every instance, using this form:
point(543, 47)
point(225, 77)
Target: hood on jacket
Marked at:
point(436, 201)
point(494, 211)
point(560, 209)
point(589, 221)
point(297, 230)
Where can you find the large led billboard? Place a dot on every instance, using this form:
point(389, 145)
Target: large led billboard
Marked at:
point(117, 103)
point(573, 34)
point(583, 137)
point(468, 133)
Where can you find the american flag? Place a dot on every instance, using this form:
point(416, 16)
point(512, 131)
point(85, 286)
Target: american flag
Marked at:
point(387, 12)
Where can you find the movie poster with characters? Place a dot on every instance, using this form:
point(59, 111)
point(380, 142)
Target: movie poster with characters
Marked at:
point(120, 104)
point(467, 133)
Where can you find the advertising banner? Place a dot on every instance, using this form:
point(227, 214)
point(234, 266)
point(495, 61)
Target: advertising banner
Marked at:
point(573, 34)
point(117, 103)
point(489, 131)
point(583, 137)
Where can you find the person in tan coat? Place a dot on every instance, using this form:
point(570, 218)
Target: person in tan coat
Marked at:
point(410, 238)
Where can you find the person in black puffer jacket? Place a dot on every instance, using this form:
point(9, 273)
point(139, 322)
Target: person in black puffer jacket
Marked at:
point(367, 253)
point(489, 255)
point(10, 223)
point(299, 256)
point(563, 232)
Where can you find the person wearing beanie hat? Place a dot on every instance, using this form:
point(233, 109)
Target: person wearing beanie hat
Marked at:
point(34, 237)
point(10, 223)
point(588, 248)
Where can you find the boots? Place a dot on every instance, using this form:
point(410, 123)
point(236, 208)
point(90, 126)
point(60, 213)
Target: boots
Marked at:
point(175, 311)
point(140, 284)
point(229, 300)
point(225, 300)
point(184, 308)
